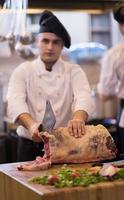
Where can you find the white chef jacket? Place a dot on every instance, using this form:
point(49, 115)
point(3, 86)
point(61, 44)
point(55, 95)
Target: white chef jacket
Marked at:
point(66, 87)
point(112, 74)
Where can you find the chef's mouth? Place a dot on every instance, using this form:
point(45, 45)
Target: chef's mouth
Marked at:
point(49, 54)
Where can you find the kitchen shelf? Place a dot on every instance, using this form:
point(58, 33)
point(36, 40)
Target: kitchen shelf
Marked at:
point(101, 30)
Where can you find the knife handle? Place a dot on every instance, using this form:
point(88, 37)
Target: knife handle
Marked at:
point(40, 128)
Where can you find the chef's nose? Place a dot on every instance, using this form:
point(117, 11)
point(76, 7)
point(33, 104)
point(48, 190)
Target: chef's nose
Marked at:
point(50, 45)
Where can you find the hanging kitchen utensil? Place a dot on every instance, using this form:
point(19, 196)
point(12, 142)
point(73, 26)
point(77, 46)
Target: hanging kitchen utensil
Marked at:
point(13, 20)
point(4, 16)
point(26, 37)
point(11, 36)
point(24, 51)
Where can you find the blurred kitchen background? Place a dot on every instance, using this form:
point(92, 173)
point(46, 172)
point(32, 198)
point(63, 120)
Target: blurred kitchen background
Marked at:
point(93, 31)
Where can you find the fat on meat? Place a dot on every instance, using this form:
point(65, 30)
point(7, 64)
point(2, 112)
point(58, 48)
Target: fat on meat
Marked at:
point(60, 147)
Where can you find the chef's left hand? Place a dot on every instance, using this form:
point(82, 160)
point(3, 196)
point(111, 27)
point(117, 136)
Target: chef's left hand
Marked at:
point(76, 127)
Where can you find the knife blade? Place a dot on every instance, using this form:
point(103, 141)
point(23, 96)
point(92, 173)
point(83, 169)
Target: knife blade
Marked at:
point(49, 119)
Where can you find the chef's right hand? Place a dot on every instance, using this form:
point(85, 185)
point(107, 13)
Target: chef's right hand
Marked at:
point(38, 136)
point(35, 134)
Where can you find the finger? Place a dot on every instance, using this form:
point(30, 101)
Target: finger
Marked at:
point(83, 129)
point(46, 134)
point(45, 137)
point(36, 137)
point(79, 129)
point(75, 129)
point(42, 137)
point(70, 128)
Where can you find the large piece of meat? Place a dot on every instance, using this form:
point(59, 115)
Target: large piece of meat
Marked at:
point(60, 147)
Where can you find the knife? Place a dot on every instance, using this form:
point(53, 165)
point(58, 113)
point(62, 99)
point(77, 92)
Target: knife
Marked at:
point(49, 119)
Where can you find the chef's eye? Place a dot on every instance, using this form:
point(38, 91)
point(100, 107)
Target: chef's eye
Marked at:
point(57, 42)
point(45, 41)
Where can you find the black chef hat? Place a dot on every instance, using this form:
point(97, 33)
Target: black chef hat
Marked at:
point(118, 12)
point(50, 23)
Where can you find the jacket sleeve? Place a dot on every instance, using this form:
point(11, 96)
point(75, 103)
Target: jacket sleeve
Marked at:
point(16, 95)
point(108, 77)
point(81, 91)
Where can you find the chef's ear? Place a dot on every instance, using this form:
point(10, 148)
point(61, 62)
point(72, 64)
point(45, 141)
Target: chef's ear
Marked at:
point(121, 27)
point(37, 40)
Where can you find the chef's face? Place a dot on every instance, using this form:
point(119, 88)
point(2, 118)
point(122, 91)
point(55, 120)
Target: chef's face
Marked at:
point(50, 47)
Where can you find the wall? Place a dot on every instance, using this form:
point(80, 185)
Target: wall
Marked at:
point(77, 23)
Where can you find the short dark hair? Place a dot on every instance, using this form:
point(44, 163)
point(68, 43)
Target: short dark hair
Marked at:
point(118, 12)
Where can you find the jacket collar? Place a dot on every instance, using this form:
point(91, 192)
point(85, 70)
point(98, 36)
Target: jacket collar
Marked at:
point(58, 67)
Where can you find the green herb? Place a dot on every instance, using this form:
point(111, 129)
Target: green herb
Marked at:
point(66, 177)
point(40, 180)
point(120, 174)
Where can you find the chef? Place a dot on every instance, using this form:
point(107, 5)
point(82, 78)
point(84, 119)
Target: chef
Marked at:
point(112, 75)
point(48, 78)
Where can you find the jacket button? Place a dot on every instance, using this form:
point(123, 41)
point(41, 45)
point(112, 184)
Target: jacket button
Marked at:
point(40, 76)
point(39, 110)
